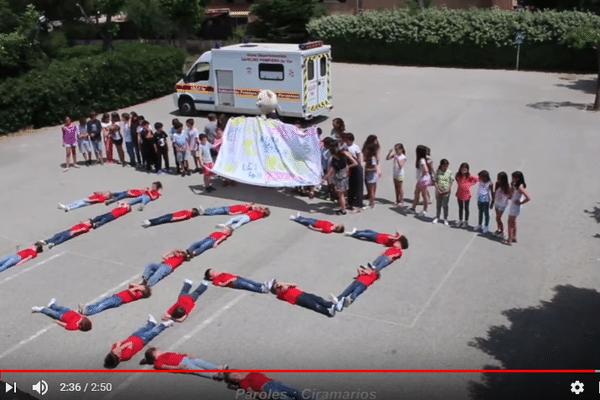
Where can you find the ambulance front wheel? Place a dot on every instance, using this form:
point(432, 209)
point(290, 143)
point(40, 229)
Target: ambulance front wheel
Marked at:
point(186, 106)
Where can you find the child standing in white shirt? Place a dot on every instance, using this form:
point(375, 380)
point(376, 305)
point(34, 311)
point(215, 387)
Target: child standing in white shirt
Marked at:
point(399, 160)
point(194, 137)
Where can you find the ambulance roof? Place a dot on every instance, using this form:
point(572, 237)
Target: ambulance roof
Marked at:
point(272, 48)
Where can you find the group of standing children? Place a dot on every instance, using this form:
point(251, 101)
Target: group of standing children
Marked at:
point(146, 146)
point(348, 169)
point(344, 163)
point(503, 196)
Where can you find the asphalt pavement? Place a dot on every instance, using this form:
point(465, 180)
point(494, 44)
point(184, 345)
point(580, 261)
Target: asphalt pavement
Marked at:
point(451, 286)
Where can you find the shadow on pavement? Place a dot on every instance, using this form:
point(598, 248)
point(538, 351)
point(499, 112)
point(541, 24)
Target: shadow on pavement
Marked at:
point(553, 105)
point(585, 85)
point(594, 213)
point(272, 197)
point(490, 236)
point(559, 334)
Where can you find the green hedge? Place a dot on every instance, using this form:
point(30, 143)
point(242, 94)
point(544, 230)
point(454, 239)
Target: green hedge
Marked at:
point(133, 74)
point(467, 38)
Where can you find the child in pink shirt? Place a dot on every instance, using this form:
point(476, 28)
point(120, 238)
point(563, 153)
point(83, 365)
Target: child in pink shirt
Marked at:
point(465, 181)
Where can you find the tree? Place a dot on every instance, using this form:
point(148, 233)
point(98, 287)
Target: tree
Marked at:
point(18, 49)
point(110, 8)
point(8, 17)
point(284, 20)
point(186, 15)
point(587, 36)
point(149, 19)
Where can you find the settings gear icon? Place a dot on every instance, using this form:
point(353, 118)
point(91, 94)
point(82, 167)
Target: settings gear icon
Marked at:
point(577, 387)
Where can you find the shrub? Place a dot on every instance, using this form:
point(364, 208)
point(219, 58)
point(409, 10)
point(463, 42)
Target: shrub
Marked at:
point(70, 53)
point(134, 73)
point(469, 38)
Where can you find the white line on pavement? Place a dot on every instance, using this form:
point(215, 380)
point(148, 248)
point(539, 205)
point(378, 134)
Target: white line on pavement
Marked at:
point(181, 341)
point(102, 259)
point(47, 328)
point(462, 253)
point(25, 341)
point(385, 321)
point(437, 289)
point(24, 270)
point(13, 239)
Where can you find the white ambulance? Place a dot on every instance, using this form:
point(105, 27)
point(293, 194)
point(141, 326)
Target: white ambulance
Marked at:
point(228, 79)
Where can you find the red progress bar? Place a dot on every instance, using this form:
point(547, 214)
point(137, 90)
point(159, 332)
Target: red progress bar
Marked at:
point(307, 371)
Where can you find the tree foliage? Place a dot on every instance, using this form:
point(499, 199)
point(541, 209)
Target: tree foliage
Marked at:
point(466, 38)
point(107, 81)
point(284, 20)
point(8, 17)
point(110, 8)
point(584, 36)
point(186, 15)
point(149, 18)
point(18, 49)
point(442, 26)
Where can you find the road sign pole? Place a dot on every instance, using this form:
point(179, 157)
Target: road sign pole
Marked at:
point(518, 41)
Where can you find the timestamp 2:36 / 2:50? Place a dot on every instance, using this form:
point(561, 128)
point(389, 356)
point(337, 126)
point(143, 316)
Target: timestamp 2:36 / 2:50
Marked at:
point(91, 387)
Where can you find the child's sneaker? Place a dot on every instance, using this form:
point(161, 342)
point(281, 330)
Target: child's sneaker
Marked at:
point(270, 284)
point(435, 221)
point(446, 222)
point(293, 217)
point(201, 210)
point(151, 319)
point(352, 232)
point(35, 309)
point(62, 207)
point(168, 323)
point(331, 310)
point(188, 281)
point(146, 223)
point(347, 301)
point(51, 245)
point(141, 208)
point(51, 303)
point(485, 229)
point(477, 228)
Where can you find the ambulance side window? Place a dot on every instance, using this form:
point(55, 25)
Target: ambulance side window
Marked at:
point(310, 66)
point(323, 66)
point(271, 72)
point(200, 72)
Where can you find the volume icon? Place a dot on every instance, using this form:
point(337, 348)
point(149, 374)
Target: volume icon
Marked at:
point(41, 387)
